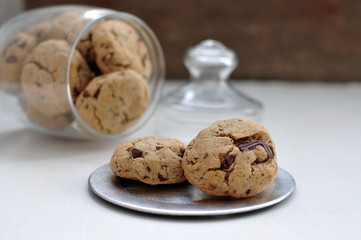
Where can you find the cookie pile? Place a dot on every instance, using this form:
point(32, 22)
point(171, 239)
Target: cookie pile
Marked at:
point(234, 158)
point(108, 78)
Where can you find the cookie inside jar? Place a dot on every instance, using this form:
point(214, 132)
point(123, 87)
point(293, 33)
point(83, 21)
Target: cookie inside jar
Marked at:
point(119, 93)
point(80, 71)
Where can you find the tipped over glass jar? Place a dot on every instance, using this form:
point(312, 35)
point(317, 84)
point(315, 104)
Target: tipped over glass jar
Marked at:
point(79, 71)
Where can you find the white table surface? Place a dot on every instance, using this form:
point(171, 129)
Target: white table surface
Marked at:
point(316, 127)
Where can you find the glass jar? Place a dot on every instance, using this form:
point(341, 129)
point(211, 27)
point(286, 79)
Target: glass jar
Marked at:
point(80, 71)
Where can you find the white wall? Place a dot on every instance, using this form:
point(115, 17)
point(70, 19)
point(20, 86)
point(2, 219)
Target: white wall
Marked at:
point(9, 8)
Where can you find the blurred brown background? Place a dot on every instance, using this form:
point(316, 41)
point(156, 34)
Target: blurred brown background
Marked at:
point(309, 40)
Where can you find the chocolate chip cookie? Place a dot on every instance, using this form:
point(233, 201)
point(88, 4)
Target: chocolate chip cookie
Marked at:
point(13, 60)
point(113, 102)
point(234, 157)
point(118, 46)
point(44, 75)
point(151, 160)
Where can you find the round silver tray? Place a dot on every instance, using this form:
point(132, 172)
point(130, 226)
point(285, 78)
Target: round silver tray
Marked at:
point(182, 199)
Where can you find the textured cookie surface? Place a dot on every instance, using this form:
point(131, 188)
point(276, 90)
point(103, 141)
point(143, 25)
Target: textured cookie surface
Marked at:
point(113, 102)
point(12, 61)
point(118, 46)
point(152, 160)
point(234, 157)
point(44, 74)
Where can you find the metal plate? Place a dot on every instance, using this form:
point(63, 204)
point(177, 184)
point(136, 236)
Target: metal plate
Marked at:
point(182, 199)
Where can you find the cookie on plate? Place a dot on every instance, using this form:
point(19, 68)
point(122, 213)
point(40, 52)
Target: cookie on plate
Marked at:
point(113, 102)
point(44, 74)
point(151, 160)
point(118, 46)
point(234, 157)
point(13, 60)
